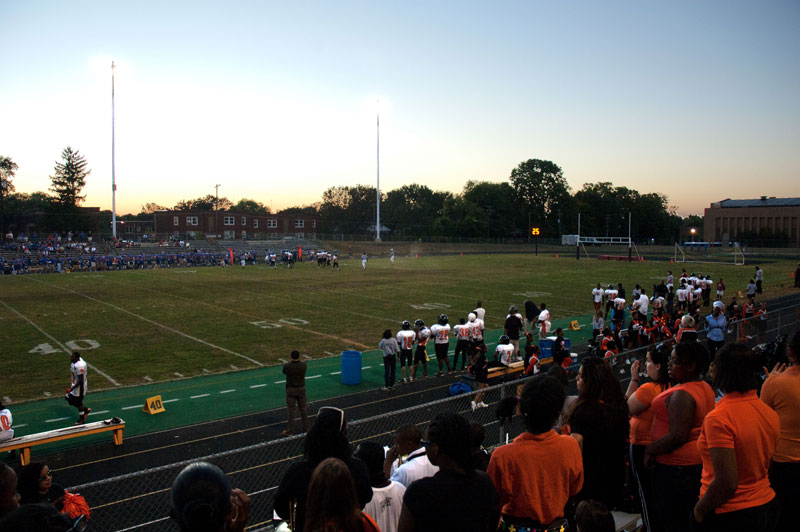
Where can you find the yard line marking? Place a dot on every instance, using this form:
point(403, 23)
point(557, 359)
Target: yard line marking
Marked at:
point(21, 425)
point(280, 382)
point(366, 367)
point(131, 407)
point(336, 373)
point(59, 344)
point(148, 379)
point(258, 385)
point(7, 399)
point(307, 357)
point(205, 370)
point(56, 419)
point(47, 394)
point(313, 377)
point(99, 412)
point(152, 322)
point(227, 391)
point(170, 401)
point(178, 374)
point(234, 367)
point(329, 353)
point(199, 396)
point(283, 360)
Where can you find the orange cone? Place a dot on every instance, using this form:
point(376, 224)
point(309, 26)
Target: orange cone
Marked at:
point(556, 255)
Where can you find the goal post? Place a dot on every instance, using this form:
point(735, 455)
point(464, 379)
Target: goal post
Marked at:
point(678, 249)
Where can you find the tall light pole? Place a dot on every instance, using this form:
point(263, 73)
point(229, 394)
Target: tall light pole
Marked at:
point(378, 187)
point(113, 181)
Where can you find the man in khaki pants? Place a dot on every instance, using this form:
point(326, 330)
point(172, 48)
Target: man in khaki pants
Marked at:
point(295, 372)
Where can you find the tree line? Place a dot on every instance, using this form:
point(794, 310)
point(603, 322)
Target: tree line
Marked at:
point(535, 195)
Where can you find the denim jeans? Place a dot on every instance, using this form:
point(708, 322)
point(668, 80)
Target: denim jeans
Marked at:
point(676, 490)
point(389, 368)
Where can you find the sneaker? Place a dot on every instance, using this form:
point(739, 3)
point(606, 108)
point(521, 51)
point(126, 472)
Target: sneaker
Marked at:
point(450, 372)
point(473, 405)
point(403, 380)
point(439, 373)
point(411, 379)
point(385, 388)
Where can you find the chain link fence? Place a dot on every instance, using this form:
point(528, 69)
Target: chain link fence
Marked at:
point(141, 501)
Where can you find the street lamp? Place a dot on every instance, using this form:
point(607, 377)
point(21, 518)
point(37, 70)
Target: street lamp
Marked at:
point(378, 184)
point(113, 182)
point(693, 231)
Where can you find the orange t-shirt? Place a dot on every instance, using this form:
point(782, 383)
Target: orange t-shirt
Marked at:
point(782, 393)
point(536, 474)
point(743, 423)
point(687, 453)
point(642, 422)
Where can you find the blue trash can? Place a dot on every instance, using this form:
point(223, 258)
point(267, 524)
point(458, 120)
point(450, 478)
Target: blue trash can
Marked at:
point(351, 367)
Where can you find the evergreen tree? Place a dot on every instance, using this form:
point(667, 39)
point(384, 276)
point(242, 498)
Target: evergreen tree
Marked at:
point(70, 178)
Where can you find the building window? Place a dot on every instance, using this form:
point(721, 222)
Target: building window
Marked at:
point(272, 224)
point(313, 223)
point(299, 223)
point(129, 229)
point(244, 220)
point(255, 223)
point(191, 220)
point(175, 220)
point(230, 220)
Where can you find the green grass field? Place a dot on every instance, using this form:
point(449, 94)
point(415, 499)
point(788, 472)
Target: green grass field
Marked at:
point(136, 327)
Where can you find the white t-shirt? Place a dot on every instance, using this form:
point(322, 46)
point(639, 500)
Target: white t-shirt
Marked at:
point(441, 333)
point(544, 315)
point(406, 339)
point(598, 295)
point(385, 506)
point(476, 329)
point(6, 432)
point(480, 312)
point(682, 293)
point(611, 294)
point(505, 353)
point(78, 368)
point(619, 303)
point(644, 303)
point(414, 467)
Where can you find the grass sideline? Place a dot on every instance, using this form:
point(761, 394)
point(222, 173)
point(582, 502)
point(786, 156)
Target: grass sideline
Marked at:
point(140, 327)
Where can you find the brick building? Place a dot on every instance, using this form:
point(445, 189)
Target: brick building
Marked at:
point(231, 225)
point(765, 219)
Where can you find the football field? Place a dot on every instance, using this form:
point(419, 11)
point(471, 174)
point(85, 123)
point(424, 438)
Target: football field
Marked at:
point(147, 326)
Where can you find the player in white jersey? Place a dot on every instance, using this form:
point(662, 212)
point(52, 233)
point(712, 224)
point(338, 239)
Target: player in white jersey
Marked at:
point(611, 295)
point(421, 353)
point(406, 338)
point(670, 279)
point(441, 341)
point(6, 432)
point(597, 297)
point(476, 327)
point(682, 294)
point(391, 255)
point(462, 334)
point(78, 387)
point(364, 260)
point(544, 322)
point(504, 352)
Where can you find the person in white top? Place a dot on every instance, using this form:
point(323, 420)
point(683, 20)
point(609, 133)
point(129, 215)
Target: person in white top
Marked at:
point(78, 387)
point(670, 279)
point(6, 432)
point(391, 259)
point(682, 294)
point(387, 495)
point(476, 327)
point(406, 339)
point(597, 297)
point(611, 295)
point(462, 334)
point(364, 260)
point(641, 305)
point(504, 353)
point(441, 341)
point(479, 311)
point(407, 460)
point(544, 321)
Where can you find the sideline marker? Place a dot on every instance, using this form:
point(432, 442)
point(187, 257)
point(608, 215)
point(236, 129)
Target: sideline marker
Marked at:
point(153, 405)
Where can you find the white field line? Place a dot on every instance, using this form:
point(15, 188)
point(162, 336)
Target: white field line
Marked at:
point(99, 412)
point(19, 426)
point(199, 396)
point(280, 382)
point(227, 391)
point(336, 373)
point(152, 322)
point(258, 385)
point(314, 377)
point(59, 344)
point(170, 401)
point(131, 407)
point(289, 326)
point(55, 419)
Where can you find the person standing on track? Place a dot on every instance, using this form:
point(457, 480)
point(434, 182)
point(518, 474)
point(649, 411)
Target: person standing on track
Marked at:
point(390, 348)
point(406, 338)
point(476, 327)
point(295, 372)
point(462, 343)
point(78, 387)
point(421, 354)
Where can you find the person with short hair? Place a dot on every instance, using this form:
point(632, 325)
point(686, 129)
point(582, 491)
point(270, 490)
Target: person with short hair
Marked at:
point(390, 349)
point(476, 327)
point(332, 501)
point(441, 342)
point(716, 324)
point(480, 369)
point(538, 462)
point(513, 326)
point(736, 443)
point(544, 322)
point(406, 338)
point(9, 497)
point(781, 392)
point(457, 497)
point(421, 354)
point(597, 297)
point(477, 435)
point(593, 516)
point(78, 387)
point(295, 372)
point(759, 280)
point(387, 495)
point(203, 501)
point(407, 460)
point(462, 343)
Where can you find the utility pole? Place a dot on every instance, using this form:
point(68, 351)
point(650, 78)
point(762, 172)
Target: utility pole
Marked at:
point(113, 181)
point(378, 185)
point(216, 200)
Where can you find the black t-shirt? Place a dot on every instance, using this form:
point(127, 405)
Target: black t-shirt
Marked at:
point(605, 434)
point(531, 311)
point(451, 501)
point(513, 326)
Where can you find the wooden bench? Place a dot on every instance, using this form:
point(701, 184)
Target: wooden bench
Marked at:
point(512, 370)
point(24, 443)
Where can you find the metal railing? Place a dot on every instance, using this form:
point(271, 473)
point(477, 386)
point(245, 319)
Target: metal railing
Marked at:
point(140, 501)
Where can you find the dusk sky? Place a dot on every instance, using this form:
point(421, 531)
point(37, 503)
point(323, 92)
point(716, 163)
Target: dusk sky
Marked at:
point(276, 101)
